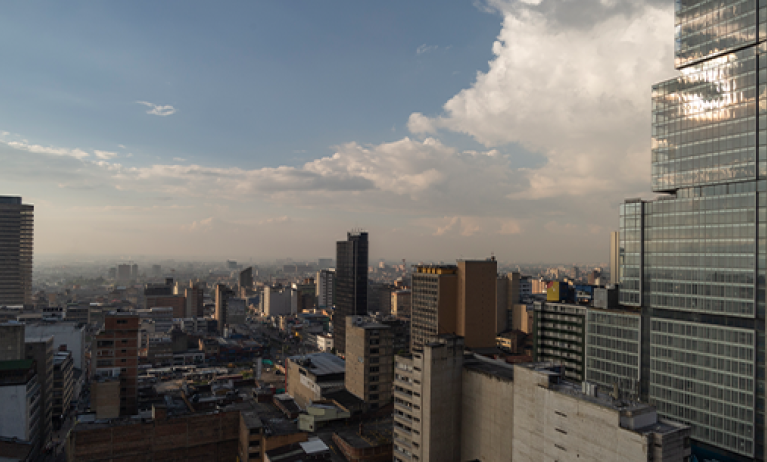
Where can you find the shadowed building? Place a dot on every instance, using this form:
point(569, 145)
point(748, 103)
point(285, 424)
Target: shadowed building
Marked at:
point(351, 284)
point(16, 245)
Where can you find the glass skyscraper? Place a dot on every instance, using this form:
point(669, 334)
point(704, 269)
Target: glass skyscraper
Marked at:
point(351, 284)
point(694, 258)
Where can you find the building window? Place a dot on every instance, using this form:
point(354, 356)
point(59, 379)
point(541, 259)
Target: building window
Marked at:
point(373, 397)
point(374, 351)
point(374, 369)
point(373, 387)
point(122, 321)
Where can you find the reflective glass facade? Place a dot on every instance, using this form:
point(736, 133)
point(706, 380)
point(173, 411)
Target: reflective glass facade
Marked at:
point(699, 250)
point(705, 29)
point(704, 124)
point(694, 259)
point(613, 349)
point(703, 375)
point(630, 253)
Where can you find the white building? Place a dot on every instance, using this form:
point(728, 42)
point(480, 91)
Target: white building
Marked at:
point(21, 398)
point(67, 334)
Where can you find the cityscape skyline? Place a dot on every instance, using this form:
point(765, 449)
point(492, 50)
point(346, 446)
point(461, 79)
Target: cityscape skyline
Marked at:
point(441, 166)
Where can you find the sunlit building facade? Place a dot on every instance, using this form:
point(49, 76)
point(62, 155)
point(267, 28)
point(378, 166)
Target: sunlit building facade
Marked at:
point(694, 258)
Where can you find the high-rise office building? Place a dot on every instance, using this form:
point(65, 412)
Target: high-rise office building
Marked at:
point(455, 299)
point(326, 281)
point(246, 279)
point(123, 272)
point(221, 314)
point(16, 245)
point(351, 284)
point(695, 258)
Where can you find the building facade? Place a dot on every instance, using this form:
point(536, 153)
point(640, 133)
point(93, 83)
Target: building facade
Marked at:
point(63, 382)
point(40, 350)
point(370, 361)
point(115, 354)
point(351, 284)
point(614, 349)
point(455, 299)
point(21, 395)
point(16, 247)
point(326, 281)
point(559, 336)
point(694, 259)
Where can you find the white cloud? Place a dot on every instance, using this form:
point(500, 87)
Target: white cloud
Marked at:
point(423, 49)
point(578, 94)
point(24, 145)
point(158, 109)
point(179, 159)
point(105, 154)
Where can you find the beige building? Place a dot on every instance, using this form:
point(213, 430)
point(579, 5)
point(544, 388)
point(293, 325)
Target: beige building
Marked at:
point(555, 419)
point(427, 402)
point(455, 299)
point(401, 303)
point(370, 360)
point(311, 376)
point(452, 407)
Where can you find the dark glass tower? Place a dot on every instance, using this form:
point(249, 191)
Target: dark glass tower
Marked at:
point(16, 242)
point(694, 258)
point(351, 284)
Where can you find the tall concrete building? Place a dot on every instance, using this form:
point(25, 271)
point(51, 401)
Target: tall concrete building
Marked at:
point(115, 371)
point(21, 416)
point(427, 402)
point(223, 294)
point(351, 284)
point(455, 299)
point(123, 272)
point(370, 360)
point(695, 258)
point(245, 280)
point(195, 296)
point(559, 336)
point(326, 281)
point(16, 249)
point(40, 349)
point(63, 382)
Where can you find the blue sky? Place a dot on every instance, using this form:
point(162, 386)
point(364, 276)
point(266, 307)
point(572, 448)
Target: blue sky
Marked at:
point(257, 82)
point(447, 129)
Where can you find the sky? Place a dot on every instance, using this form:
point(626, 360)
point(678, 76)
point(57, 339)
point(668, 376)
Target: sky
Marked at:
point(268, 130)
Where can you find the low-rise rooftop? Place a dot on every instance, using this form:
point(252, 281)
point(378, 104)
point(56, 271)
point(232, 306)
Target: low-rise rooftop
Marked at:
point(320, 364)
